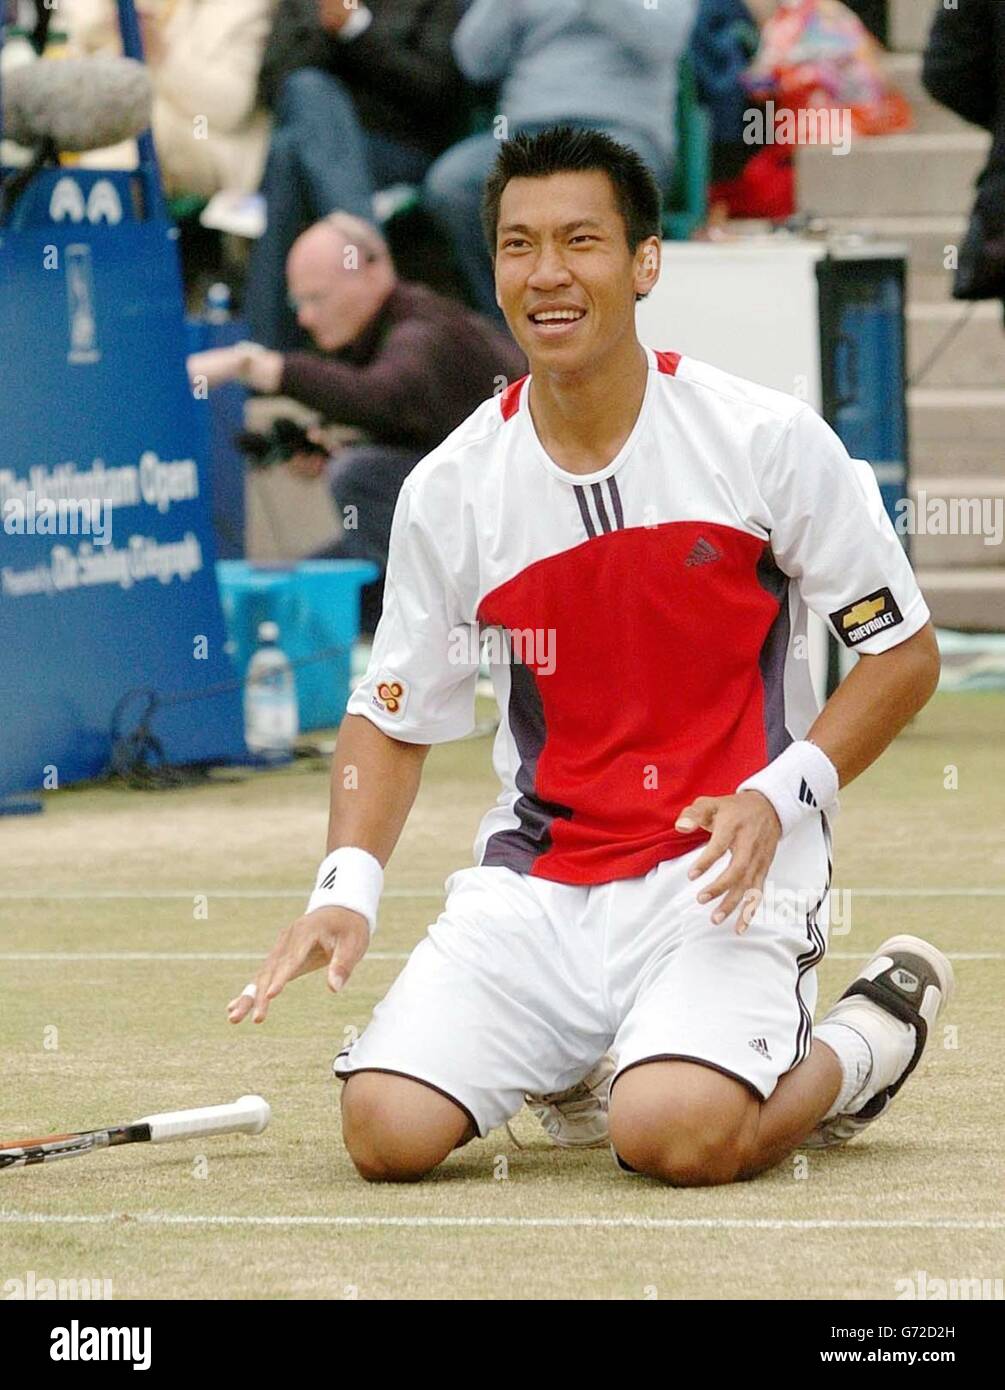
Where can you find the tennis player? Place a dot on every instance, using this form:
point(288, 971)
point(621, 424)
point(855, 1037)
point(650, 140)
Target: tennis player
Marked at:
point(639, 537)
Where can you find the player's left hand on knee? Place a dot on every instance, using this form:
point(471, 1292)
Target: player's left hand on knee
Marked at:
point(746, 828)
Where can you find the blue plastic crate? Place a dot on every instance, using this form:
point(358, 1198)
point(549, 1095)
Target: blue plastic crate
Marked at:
point(316, 607)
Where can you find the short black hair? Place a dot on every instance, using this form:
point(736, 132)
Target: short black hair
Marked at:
point(567, 149)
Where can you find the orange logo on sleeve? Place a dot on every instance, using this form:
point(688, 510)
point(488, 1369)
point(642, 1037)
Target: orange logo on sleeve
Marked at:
point(390, 695)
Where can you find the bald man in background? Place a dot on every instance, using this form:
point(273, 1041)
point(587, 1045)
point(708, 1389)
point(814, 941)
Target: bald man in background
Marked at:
point(394, 359)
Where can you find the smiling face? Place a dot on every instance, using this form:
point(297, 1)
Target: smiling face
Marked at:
point(566, 278)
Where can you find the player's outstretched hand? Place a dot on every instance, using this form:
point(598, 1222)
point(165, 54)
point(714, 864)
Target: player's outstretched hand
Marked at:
point(746, 826)
point(330, 938)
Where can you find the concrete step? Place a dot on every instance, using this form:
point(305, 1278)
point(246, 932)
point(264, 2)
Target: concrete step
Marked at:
point(910, 22)
point(930, 286)
point(926, 238)
point(956, 522)
point(892, 175)
point(929, 242)
point(904, 71)
point(970, 600)
point(972, 357)
point(956, 433)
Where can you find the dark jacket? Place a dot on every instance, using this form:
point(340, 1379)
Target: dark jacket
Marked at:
point(964, 65)
point(419, 370)
point(964, 69)
point(723, 42)
point(401, 71)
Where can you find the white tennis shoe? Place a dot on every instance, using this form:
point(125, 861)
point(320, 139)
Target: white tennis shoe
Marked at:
point(577, 1118)
point(892, 1005)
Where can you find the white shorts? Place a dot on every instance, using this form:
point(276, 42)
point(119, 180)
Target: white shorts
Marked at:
point(523, 983)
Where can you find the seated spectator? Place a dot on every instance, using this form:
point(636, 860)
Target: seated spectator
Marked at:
point(748, 180)
point(364, 97)
point(722, 45)
point(204, 57)
point(605, 64)
point(395, 360)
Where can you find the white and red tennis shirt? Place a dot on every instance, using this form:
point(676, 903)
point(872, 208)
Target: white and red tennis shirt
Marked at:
point(649, 619)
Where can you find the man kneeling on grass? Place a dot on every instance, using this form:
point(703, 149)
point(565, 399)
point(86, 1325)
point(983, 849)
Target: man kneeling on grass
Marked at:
point(634, 952)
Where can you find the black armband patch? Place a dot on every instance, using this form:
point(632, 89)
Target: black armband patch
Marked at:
point(867, 616)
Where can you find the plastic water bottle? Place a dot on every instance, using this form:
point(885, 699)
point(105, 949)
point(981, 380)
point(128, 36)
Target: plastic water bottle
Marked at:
point(271, 717)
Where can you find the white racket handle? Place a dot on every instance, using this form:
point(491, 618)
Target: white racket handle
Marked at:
point(249, 1115)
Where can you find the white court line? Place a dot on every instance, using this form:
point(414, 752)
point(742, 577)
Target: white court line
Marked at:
point(113, 894)
point(370, 955)
point(563, 1223)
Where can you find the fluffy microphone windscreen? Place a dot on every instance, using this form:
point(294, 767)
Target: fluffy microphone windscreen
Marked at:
point(78, 103)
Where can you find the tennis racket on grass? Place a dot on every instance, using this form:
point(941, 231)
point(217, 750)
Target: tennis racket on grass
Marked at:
point(249, 1115)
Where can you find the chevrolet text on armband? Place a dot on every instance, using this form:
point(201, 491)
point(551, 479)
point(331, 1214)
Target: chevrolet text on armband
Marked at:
point(390, 695)
point(866, 616)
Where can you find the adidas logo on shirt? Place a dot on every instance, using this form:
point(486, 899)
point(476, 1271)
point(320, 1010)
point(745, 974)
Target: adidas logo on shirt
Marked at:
point(703, 552)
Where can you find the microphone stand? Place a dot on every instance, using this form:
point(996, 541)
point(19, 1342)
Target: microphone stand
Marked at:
point(149, 168)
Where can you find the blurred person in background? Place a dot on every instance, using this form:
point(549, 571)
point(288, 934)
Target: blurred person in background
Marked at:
point(209, 128)
point(364, 97)
point(604, 64)
point(394, 359)
point(964, 69)
point(723, 42)
point(748, 180)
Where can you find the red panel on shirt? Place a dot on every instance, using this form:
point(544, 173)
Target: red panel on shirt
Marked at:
point(668, 362)
point(656, 696)
point(509, 401)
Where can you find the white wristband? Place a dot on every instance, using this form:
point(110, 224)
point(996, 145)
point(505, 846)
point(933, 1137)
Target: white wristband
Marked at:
point(799, 783)
point(352, 878)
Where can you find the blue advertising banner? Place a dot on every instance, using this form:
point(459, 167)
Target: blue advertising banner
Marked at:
point(107, 555)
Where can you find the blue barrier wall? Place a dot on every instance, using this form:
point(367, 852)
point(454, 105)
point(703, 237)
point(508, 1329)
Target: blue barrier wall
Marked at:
point(95, 404)
point(220, 419)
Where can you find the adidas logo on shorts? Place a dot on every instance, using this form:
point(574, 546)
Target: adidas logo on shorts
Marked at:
point(760, 1045)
